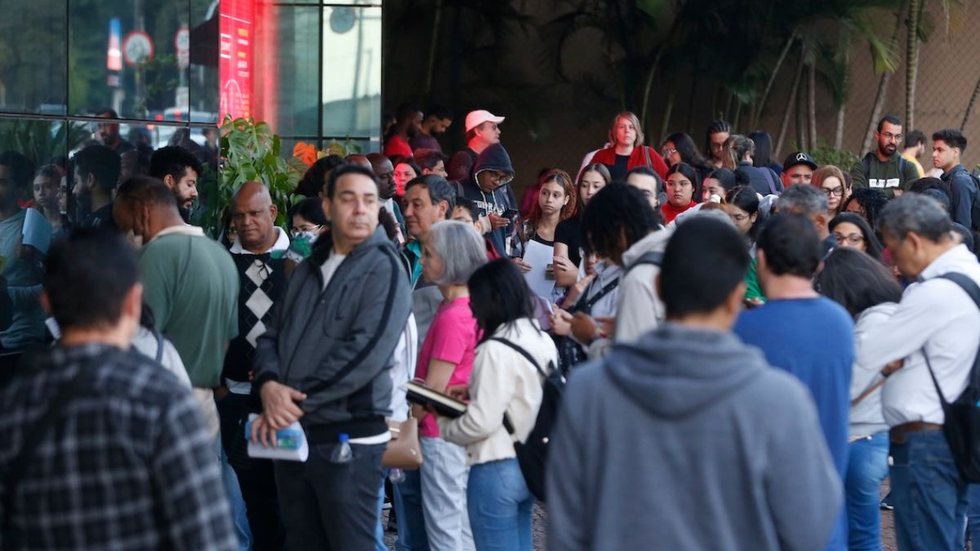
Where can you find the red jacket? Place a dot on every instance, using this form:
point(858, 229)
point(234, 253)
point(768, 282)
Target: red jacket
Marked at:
point(607, 157)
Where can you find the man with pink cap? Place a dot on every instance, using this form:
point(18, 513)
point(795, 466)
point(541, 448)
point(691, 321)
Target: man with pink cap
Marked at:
point(481, 133)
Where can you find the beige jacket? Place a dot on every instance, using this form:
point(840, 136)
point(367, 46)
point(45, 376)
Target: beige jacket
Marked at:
point(502, 381)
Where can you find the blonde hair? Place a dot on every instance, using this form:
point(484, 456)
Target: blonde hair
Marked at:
point(636, 125)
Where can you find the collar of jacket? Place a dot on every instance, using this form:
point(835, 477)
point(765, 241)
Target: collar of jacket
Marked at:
point(324, 245)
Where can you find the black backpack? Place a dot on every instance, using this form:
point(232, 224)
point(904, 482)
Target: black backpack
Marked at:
point(962, 425)
point(975, 207)
point(570, 352)
point(532, 454)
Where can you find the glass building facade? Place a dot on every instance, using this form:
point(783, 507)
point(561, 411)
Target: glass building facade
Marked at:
point(170, 70)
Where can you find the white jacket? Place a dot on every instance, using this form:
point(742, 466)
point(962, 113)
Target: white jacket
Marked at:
point(640, 308)
point(503, 381)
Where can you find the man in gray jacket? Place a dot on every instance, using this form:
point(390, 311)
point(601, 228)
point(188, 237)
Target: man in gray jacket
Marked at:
point(324, 361)
point(691, 427)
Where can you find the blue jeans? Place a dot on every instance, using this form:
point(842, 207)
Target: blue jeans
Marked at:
point(928, 493)
point(234, 492)
point(409, 515)
point(973, 514)
point(499, 505)
point(867, 467)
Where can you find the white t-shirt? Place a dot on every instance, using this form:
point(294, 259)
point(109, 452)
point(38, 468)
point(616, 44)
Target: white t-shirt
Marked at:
point(329, 268)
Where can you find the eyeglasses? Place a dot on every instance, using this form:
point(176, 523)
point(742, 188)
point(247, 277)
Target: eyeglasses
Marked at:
point(890, 136)
point(834, 191)
point(668, 151)
point(851, 238)
point(305, 228)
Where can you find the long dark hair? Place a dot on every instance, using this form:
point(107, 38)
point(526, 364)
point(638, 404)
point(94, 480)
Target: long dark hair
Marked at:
point(871, 242)
point(687, 148)
point(691, 174)
point(763, 148)
point(499, 295)
point(856, 281)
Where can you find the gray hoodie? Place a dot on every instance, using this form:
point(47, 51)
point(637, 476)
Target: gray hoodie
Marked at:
point(640, 308)
point(688, 440)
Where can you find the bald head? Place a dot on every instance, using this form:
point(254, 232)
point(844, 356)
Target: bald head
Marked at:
point(360, 160)
point(254, 217)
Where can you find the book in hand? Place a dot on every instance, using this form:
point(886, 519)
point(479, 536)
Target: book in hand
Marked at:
point(444, 404)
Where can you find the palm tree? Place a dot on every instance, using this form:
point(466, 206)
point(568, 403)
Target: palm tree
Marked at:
point(911, 62)
point(970, 106)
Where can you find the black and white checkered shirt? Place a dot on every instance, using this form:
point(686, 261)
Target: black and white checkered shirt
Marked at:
point(129, 465)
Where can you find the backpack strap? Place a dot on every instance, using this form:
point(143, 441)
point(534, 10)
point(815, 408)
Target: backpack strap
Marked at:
point(160, 343)
point(527, 355)
point(32, 438)
point(655, 258)
point(646, 156)
point(771, 180)
point(970, 288)
point(586, 307)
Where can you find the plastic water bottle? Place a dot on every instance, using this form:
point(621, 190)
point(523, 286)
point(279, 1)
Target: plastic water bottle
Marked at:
point(343, 452)
point(396, 476)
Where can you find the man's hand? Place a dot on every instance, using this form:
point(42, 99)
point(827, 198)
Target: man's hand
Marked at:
point(498, 222)
point(583, 328)
point(279, 408)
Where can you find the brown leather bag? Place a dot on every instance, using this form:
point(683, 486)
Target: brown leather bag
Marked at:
point(404, 451)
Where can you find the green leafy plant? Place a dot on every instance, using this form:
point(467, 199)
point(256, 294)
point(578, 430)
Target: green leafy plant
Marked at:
point(824, 154)
point(250, 151)
point(40, 141)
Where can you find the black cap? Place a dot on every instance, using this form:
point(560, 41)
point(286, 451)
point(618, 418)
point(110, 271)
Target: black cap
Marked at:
point(799, 158)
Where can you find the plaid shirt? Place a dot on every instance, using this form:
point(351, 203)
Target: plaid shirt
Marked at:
point(128, 465)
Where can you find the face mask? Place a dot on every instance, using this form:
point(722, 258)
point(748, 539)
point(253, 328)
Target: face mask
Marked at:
point(308, 236)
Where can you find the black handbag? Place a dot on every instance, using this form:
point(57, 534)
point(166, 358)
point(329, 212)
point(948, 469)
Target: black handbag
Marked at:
point(570, 352)
point(962, 425)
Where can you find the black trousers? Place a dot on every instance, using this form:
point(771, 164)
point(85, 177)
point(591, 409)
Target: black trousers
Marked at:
point(255, 476)
point(331, 506)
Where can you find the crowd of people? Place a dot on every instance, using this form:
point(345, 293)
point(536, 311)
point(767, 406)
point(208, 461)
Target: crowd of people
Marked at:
point(743, 350)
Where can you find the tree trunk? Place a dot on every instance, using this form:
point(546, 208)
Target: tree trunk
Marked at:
point(879, 104)
point(970, 106)
point(911, 64)
point(668, 111)
point(839, 134)
point(760, 106)
point(738, 113)
point(433, 45)
point(811, 107)
point(648, 87)
point(800, 118)
point(790, 104)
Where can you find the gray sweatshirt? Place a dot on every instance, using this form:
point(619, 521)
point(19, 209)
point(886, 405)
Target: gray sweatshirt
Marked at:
point(688, 440)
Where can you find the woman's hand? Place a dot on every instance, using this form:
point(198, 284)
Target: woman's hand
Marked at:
point(566, 273)
point(524, 267)
point(561, 323)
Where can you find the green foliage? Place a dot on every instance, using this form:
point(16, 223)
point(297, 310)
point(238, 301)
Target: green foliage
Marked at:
point(343, 149)
point(824, 154)
point(40, 140)
point(250, 151)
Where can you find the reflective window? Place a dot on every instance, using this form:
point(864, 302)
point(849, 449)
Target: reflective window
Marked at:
point(295, 66)
point(32, 57)
point(352, 71)
point(33, 193)
point(129, 57)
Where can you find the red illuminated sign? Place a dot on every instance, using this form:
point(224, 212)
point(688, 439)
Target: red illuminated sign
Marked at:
point(236, 36)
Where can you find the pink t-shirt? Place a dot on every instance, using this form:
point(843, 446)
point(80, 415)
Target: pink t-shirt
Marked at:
point(451, 338)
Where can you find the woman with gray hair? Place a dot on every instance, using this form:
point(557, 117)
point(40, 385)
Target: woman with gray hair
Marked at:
point(451, 253)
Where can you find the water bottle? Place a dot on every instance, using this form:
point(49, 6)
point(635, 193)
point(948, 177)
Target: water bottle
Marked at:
point(396, 476)
point(343, 453)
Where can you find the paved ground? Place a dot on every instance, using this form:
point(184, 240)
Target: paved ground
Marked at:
point(539, 520)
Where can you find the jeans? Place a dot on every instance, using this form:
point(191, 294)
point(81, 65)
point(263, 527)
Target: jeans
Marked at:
point(499, 506)
point(444, 472)
point(973, 514)
point(409, 515)
point(331, 506)
point(256, 477)
point(379, 532)
point(928, 493)
point(867, 467)
point(239, 515)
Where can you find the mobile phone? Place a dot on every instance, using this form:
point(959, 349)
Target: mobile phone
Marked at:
point(510, 214)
